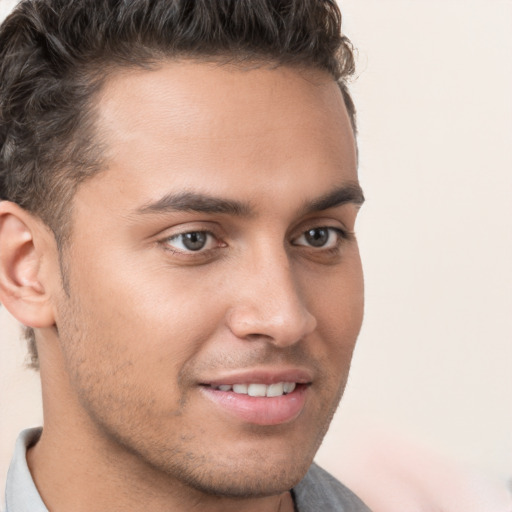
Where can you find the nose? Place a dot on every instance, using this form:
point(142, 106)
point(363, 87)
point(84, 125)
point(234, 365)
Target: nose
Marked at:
point(268, 305)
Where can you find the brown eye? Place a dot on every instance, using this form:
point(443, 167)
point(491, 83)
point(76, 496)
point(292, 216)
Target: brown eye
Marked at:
point(317, 237)
point(321, 238)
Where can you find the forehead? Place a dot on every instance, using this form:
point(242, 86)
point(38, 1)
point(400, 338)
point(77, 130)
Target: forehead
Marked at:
point(196, 124)
point(192, 83)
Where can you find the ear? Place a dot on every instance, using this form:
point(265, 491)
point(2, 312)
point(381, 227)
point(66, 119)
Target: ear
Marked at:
point(24, 243)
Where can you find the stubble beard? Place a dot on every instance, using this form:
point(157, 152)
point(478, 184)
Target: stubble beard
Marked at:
point(124, 419)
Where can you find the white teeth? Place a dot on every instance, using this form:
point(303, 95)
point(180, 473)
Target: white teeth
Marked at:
point(288, 387)
point(240, 388)
point(257, 390)
point(276, 389)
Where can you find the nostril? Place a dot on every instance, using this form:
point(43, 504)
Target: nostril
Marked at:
point(257, 336)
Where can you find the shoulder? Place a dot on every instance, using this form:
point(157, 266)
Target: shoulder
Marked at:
point(321, 491)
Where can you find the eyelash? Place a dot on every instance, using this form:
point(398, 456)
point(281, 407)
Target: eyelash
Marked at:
point(341, 235)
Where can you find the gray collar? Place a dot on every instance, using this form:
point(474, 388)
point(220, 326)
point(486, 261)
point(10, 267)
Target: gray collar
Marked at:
point(20, 491)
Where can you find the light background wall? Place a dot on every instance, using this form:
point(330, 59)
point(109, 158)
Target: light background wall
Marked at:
point(434, 361)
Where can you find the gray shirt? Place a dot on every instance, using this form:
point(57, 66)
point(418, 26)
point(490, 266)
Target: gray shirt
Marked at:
point(317, 492)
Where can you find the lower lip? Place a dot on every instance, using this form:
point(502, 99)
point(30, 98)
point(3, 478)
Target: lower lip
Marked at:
point(260, 410)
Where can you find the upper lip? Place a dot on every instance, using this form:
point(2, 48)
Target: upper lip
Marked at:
point(261, 376)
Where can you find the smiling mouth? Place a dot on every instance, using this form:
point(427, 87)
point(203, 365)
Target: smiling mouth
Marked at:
point(259, 403)
point(259, 390)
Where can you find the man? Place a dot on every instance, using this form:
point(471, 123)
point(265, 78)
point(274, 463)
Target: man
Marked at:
point(179, 191)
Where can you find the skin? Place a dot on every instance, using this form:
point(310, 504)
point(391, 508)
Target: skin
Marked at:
point(144, 322)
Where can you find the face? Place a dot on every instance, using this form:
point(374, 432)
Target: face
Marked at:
point(215, 287)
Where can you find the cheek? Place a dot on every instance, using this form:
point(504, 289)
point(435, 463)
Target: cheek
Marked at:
point(134, 330)
point(337, 301)
point(338, 304)
point(136, 298)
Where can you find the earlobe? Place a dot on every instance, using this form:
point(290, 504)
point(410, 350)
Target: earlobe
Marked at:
point(22, 290)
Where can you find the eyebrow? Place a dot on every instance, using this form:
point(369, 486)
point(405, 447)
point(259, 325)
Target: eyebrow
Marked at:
point(196, 202)
point(351, 193)
point(203, 203)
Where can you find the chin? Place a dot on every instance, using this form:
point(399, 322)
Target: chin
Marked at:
point(247, 480)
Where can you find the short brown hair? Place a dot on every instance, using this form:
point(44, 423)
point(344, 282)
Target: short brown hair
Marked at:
point(55, 55)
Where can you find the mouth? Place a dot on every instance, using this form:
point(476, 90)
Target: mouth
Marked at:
point(258, 390)
point(260, 398)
